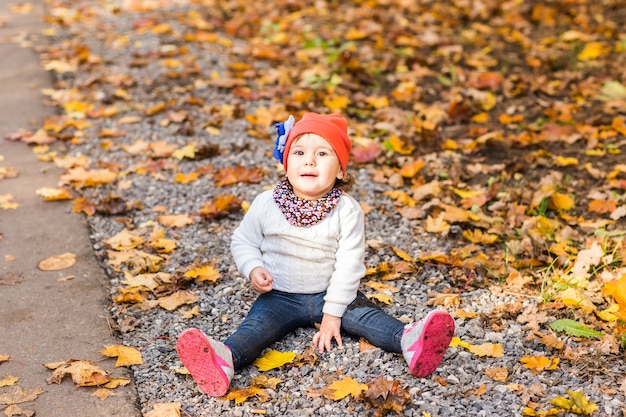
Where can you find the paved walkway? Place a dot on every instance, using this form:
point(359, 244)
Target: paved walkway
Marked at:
point(44, 318)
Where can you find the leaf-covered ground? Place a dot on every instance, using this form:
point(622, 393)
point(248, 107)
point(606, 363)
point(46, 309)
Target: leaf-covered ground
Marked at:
point(496, 127)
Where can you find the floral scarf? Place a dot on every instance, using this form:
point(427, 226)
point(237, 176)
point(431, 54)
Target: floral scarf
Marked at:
point(301, 212)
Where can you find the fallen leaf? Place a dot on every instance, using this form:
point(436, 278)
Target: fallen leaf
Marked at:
point(164, 410)
point(8, 380)
point(273, 359)
point(126, 355)
point(83, 373)
point(346, 387)
point(16, 395)
point(103, 393)
point(58, 262)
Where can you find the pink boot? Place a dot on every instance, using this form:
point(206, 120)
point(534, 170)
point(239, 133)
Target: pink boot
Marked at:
point(424, 343)
point(209, 362)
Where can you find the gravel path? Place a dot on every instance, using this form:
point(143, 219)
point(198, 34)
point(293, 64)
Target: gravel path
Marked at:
point(120, 52)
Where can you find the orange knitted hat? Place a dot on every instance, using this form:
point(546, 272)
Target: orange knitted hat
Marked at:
point(332, 127)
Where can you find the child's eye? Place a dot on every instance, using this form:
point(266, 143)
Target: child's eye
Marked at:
point(322, 153)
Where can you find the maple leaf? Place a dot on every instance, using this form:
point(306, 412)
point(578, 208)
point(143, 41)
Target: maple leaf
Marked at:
point(344, 387)
point(385, 395)
point(83, 373)
point(164, 410)
point(220, 206)
point(6, 202)
point(175, 220)
point(16, 395)
point(497, 374)
point(446, 300)
point(241, 395)
point(173, 301)
point(204, 273)
point(539, 363)
point(126, 355)
point(273, 359)
point(124, 240)
point(8, 380)
point(383, 298)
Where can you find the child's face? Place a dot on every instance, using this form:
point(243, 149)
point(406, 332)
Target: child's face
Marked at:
point(312, 166)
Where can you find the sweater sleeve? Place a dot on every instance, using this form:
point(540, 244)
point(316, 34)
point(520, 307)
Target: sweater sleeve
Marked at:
point(349, 263)
point(247, 237)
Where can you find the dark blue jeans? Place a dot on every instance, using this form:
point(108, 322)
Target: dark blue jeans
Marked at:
point(275, 314)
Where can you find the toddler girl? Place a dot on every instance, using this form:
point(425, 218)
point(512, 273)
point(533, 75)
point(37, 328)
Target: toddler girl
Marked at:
point(302, 246)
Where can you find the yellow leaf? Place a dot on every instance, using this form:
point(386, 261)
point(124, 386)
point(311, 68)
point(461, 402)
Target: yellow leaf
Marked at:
point(562, 202)
point(456, 342)
point(186, 178)
point(493, 350)
point(436, 224)
point(565, 161)
point(480, 118)
point(466, 193)
point(402, 254)
point(126, 355)
point(577, 403)
point(337, 103)
point(347, 386)
point(573, 297)
point(187, 151)
point(379, 286)
point(377, 102)
point(383, 298)
point(399, 146)
point(6, 202)
point(8, 381)
point(593, 50)
point(204, 273)
point(273, 359)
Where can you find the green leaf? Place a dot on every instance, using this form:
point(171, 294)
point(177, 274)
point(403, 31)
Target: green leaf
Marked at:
point(574, 328)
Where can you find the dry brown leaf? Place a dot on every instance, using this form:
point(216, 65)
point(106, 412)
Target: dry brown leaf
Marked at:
point(14, 396)
point(164, 410)
point(103, 393)
point(497, 374)
point(58, 262)
point(83, 373)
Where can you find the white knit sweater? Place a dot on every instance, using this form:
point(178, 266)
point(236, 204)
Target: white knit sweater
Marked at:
point(328, 256)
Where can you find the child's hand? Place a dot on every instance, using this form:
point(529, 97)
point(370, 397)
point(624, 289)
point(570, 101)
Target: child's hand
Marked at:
point(329, 330)
point(261, 279)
